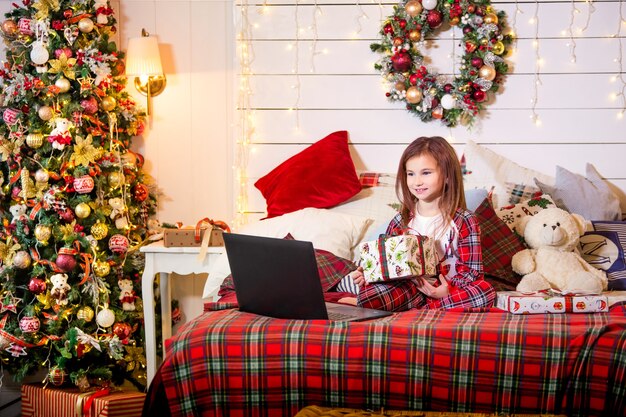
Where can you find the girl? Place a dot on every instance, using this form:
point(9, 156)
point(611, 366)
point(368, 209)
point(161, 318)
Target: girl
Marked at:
point(430, 187)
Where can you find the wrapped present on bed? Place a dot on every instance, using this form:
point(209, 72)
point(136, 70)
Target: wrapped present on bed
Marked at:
point(206, 233)
point(550, 302)
point(397, 257)
point(40, 401)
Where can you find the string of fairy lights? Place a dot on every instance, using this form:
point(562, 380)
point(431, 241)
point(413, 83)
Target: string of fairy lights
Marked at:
point(309, 31)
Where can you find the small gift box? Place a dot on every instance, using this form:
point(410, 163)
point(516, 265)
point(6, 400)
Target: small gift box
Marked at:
point(38, 401)
point(206, 233)
point(550, 302)
point(396, 257)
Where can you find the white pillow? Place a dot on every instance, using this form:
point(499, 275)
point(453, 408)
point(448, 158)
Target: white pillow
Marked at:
point(489, 169)
point(334, 232)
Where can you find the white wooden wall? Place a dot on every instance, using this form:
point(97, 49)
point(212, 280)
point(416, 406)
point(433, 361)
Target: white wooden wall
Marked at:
point(338, 89)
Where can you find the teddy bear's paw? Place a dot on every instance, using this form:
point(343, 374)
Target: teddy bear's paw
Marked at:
point(583, 282)
point(532, 283)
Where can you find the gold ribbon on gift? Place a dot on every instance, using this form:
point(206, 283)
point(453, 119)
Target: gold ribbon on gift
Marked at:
point(204, 224)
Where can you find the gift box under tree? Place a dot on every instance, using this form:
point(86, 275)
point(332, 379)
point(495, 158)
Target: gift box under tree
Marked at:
point(38, 401)
point(397, 257)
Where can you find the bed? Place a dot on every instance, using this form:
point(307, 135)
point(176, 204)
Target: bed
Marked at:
point(230, 363)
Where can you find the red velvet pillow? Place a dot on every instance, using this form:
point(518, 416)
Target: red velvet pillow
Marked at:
point(320, 176)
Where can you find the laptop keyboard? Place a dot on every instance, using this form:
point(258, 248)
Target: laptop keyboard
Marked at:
point(337, 316)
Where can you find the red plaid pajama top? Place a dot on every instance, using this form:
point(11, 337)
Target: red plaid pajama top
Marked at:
point(467, 287)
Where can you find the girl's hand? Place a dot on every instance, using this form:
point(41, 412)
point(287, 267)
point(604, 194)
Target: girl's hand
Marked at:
point(358, 277)
point(431, 291)
point(348, 300)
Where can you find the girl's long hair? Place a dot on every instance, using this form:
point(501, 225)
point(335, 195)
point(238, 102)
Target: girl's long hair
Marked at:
point(453, 196)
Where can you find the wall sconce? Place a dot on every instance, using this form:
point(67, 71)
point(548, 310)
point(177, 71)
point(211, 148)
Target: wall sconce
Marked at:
point(144, 61)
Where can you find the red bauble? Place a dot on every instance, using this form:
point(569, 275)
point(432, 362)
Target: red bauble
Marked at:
point(479, 95)
point(413, 79)
point(401, 61)
point(90, 105)
point(402, 23)
point(448, 88)
point(140, 192)
point(66, 260)
point(118, 243)
point(68, 13)
point(122, 330)
point(67, 215)
point(467, 29)
point(83, 184)
point(37, 285)
point(434, 19)
point(29, 324)
point(388, 28)
point(477, 62)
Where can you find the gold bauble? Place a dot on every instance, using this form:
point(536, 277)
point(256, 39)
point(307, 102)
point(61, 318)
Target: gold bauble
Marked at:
point(63, 84)
point(34, 140)
point(108, 103)
point(413, 95)
point(498, 48)
point(397, 41)
point(82, 210)
point(487, 73)
point(99, 230)
point(9, 27)
point(85, 313)
point(413, 8)
point(85, 25)
point(415, 35)
point(101, 268)
point(484, 41)
point(45, 113)
point(116, 179)
point(43, 233)
point(490, 18)
point(400, 86)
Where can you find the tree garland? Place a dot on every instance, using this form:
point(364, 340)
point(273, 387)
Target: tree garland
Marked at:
point(429, 95)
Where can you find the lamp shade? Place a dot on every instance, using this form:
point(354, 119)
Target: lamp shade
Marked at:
point(142, 57)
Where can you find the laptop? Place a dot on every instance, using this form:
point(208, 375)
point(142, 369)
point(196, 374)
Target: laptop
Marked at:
point(279, 278)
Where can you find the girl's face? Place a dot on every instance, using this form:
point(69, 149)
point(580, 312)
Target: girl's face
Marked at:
point(424, 178)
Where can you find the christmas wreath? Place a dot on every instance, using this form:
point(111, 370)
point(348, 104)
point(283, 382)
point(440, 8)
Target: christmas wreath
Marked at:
point(429, 95)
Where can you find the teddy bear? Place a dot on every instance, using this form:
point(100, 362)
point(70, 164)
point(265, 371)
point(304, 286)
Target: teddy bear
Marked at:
point(102, 11)
point(127, 295)
point(118, 212)
point(60, 135)
point(18, 211)
point(60, 288)
point(552, 260)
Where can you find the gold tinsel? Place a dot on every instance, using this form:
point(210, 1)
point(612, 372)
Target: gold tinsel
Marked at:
point(28, 185)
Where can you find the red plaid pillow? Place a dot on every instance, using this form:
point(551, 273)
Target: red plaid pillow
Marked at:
point(331, 268)
point(499, 244)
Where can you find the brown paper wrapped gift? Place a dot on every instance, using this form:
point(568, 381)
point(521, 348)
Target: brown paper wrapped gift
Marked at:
point(189, 236)
point(38, 401)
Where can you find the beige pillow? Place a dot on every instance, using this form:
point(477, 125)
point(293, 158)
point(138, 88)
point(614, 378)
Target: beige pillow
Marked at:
point(488, 169)
point(334, 232)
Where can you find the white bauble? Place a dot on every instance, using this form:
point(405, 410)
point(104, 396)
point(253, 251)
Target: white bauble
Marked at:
point(41, 175)
point(448, 102)
point(105, 317)
point(39, 54)
point(429, 4)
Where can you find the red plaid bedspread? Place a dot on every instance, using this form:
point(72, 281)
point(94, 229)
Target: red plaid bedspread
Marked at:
point(227, 363)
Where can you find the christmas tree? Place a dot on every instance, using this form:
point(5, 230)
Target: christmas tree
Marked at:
point(75, 203)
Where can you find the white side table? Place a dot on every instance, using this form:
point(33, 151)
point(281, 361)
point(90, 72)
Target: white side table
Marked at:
point(164, 261)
